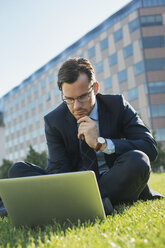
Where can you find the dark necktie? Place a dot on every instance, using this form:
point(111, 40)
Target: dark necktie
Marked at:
point(88, 156)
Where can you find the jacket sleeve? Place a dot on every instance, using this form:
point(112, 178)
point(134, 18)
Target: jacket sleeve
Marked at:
point(58, 160)
point(136, 135)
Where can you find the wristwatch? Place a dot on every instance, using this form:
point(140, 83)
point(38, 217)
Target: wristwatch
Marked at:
point(100, 142)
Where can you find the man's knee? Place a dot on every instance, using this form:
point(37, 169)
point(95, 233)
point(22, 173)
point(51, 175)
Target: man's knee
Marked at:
point(15, 169)
point(139, 161)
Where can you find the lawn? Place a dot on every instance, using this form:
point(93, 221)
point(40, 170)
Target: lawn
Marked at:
point(139, 225)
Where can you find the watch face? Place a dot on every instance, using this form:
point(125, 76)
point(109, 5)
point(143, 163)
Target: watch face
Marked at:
point(101, 140)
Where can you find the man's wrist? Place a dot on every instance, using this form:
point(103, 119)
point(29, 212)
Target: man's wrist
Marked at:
point(110, 148)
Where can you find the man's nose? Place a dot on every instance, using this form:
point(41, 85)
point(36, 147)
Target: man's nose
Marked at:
point(76, 104)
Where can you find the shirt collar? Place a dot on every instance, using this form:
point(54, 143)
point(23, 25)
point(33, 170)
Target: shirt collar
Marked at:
point(94, 113)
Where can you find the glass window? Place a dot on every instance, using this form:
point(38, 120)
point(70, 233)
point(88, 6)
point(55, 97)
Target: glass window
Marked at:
point(122, 76)
point(112, 59)
point(29, 93)
point(132, 94)
point(91, 52)
point(42, 146)
point(22, 153)
point(160, 134)
point(37, 117)
point(151, 20)
point(155, 87)
point(21, 139)
point(99, 67)
point(138, 68)
point(42, 131)
point(133, 25)
point(48, 96)
point(104, 44)
point(30, 121)
point(155, 64)
point(107, 83)
point(36, 88)
point(118, 35)
point(24, 124)
point(158, 110)
point(27, 136)
point(32, 104)
point(128, 51)
point(56, 91)
point(154, 41)
point(22, 97)
point(43, 83)
point(34, 134)
point(26, 108)
point(51, 78)
point(40, 100)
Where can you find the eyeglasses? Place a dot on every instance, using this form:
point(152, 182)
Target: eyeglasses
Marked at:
point(83, 98)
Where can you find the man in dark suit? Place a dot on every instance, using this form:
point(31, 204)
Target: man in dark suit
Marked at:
point(103, 133)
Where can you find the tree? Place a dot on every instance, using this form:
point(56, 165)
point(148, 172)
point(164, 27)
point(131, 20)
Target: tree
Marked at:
point(6, 164)
point(159, 164)
point(36, 158)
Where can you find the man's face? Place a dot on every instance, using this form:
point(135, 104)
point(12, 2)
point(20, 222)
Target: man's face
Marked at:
point(78, 89)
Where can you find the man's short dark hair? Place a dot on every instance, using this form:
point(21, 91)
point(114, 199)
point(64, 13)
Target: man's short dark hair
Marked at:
point(71, 69)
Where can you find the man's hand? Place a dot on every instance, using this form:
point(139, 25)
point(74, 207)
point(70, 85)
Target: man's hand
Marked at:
point(88, 130)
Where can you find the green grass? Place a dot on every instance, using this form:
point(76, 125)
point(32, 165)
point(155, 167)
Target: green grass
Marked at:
point(139, 225)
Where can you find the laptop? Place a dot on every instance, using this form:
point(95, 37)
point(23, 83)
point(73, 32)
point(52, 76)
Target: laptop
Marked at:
point(39, 200)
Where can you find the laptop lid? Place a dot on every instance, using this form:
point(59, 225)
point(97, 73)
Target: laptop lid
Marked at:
point(38, 200)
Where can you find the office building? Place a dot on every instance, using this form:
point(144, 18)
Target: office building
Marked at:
point(127, 51)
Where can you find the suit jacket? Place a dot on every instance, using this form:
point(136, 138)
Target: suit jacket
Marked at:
point(117, 121)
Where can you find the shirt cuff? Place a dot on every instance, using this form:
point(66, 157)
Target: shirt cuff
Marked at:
point(110, 147)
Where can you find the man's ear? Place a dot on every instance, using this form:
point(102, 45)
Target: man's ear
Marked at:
point(96, 88)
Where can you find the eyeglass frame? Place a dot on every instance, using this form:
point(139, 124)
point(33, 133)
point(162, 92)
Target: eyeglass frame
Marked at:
point(78, 98)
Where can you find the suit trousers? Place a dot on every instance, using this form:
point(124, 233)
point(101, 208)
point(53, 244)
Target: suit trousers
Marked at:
point(124, 182)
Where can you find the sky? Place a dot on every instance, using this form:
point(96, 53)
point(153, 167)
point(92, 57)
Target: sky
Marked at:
point(32, 32)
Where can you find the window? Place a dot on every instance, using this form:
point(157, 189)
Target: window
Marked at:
point(151, 20)
point(104, 44)
point(155, 87)
point(99, 67)
point(107, 83)
point(155, 64)
point(33, 105)
point(160, 134)
point(112, 59)
point(34, 134)
point(133, 25)
point(30, 121)
point(91, 52)
point(158, 110)
point(40, 100)
point(132, 94)
point(24, 124)
point(122, 76)
point(43, 83)
point(51, 78)
point(27, 136)
point(56, 91)
point(35, 88)
point(42, 131)
point(37, 117)
point(26, 108)
point(138, 68)
point(118, 35)
point(128, 51)
point(29, 93)
point(154, 41)
point(48, 97)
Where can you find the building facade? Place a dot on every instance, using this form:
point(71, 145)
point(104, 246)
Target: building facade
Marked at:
point(127, 51)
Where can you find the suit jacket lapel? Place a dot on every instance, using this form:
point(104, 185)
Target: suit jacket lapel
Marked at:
point(104, 121)
point(72, 129)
